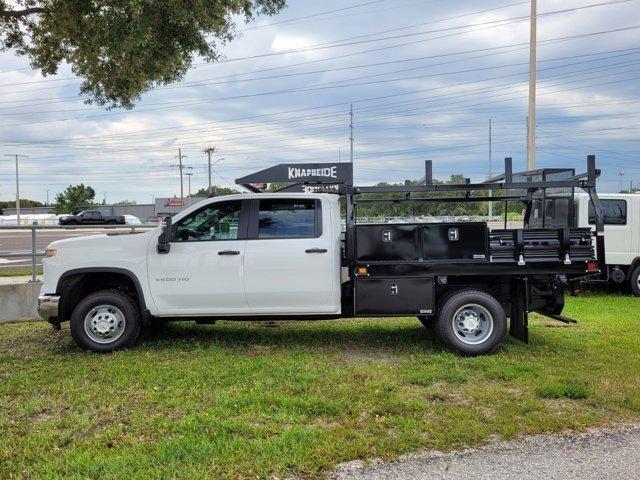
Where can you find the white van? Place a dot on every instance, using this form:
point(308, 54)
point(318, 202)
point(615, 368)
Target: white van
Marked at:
point(622, 234)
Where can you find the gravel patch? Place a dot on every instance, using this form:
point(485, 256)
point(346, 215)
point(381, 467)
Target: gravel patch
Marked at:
point(596, 454)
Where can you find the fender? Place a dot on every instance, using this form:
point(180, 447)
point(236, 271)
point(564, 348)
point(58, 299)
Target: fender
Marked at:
point(146, 316)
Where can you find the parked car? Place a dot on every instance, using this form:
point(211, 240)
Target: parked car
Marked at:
point(91, 217)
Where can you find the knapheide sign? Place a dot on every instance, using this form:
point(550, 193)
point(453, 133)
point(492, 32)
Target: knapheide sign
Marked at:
point(327, 173)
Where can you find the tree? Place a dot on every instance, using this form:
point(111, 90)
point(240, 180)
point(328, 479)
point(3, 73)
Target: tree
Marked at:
point(75, 197)
point(122, 48)
point(220, 191)
point(126, 202)
point(24, 202)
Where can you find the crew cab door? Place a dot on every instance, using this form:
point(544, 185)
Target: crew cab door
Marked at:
point(203, 272)
point(290, 262)
point(618, 230)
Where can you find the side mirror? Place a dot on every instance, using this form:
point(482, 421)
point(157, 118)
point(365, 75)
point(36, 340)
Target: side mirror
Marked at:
point(165, 238)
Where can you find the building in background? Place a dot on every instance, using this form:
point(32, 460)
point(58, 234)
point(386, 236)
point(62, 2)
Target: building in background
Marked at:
point(163, 207)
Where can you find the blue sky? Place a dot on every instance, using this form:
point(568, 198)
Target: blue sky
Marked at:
point(424, 78)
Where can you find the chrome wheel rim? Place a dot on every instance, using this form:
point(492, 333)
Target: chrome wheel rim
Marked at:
point(472, 324)
point(104, 324)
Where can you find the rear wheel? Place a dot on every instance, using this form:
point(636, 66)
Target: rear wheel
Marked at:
point(472, 322)
point(634, 281)
point(105, 321)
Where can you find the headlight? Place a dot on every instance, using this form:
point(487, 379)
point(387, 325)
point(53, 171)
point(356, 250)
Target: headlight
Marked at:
point(50, 252)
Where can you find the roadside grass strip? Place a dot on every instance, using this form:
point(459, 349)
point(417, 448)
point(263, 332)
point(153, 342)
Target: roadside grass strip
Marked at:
point(247, 400)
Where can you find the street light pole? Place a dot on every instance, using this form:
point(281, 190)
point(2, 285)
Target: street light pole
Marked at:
point(17, 186)
point(209, 151)
point(189, 175)
point(531, 132)
point(490, 172)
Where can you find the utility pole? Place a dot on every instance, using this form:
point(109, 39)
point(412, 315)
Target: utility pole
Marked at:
point(621, 175)
point(47, 197)
point(180, 168)
point(490, 173)
point(531, 132)
point(16, 156)
point(351, 130)
point(209, 151)
point(189, 175)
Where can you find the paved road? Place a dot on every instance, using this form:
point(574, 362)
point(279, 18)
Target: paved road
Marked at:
point(599, 454)
point(19, 241)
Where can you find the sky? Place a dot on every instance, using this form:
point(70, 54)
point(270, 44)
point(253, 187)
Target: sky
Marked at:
point(424, 78)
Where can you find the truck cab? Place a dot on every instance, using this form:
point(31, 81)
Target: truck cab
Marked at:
point(266, 254)
point(233, 256)
point(621, 233)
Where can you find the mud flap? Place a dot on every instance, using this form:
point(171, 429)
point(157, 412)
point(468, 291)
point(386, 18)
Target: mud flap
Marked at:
point(519, 324)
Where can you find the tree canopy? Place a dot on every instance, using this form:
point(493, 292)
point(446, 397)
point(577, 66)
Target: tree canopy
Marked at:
point(220, 191)
point(75, 197)
point(122, 48)
point(24, 203)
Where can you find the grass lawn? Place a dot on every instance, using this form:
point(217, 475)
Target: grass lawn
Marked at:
point(18, 272)
point(237, 400)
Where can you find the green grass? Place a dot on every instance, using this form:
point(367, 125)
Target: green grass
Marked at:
point(240, 400)
point(18, 272)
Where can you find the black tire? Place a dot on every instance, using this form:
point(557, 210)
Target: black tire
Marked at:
point(120, 305)
point(634, 281)
point(112, 222)
point(482, 309)
point(73, 222)
point(428, 322)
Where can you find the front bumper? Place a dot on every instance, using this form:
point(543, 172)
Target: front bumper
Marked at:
point(48, 307)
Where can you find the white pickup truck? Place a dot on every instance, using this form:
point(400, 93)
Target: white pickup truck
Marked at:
point(284, 256)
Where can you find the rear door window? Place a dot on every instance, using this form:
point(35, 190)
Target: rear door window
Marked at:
point(615, 212)
point(289, 218)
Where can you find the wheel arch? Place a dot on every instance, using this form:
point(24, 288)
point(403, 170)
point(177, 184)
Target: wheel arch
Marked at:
point(632, 267)
point(75, 284)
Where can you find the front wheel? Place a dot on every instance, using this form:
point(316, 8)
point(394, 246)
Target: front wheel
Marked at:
point(472, 322)
point(634, 281)
point(105, 321)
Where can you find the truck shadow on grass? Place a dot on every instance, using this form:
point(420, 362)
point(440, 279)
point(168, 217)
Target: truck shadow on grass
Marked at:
point(398, 335)
point(286, 335)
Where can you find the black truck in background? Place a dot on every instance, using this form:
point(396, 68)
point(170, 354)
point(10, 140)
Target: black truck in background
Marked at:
point(91, 217)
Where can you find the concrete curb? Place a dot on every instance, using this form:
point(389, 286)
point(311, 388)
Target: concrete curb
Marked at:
point(19, 301)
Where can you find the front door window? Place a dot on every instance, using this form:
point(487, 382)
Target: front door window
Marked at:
point(217, 221)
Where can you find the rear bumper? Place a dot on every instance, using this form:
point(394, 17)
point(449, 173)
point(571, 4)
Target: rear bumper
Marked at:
point(48, 307)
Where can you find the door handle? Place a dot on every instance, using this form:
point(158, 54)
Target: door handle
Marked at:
point(316, 250)
point(228, 252)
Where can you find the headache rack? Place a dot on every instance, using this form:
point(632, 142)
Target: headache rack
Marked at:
point(548, 238)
